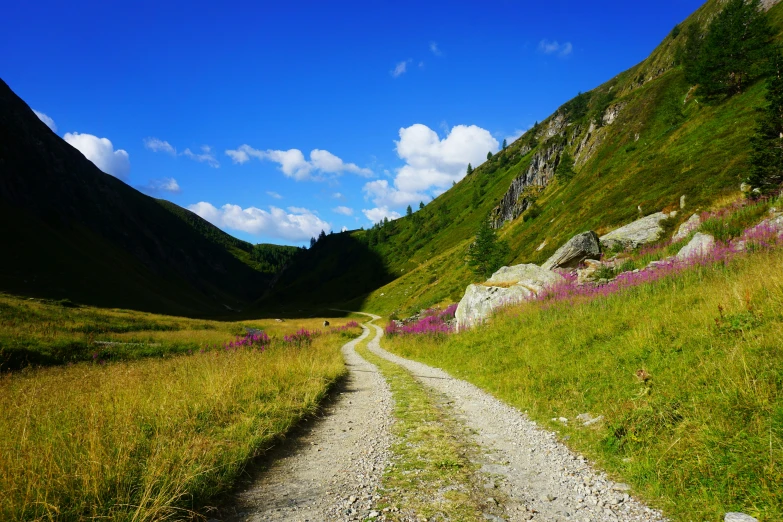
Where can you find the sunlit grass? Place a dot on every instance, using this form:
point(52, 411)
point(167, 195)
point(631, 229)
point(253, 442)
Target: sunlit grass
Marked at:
point(704, 434)
point(154, 438)
point(37, 332)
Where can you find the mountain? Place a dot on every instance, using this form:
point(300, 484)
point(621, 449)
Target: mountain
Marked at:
point(73, 232)
point(639, 141)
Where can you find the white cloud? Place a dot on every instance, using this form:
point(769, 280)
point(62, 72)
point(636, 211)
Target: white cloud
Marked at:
point(157, 186)
point(435, 49)
point(345, 211)
point(46, 119)
point(384, 195)
point(344, 229)
point(156, 145)
point(293, 226)
point(400, 69)
point(554, 47)
point(101, 152)
point(206, 156)
point(432, 162)
point(377, 214)
point(294, 165)
point(337, 195)
point(301, 210)
point(274, 194)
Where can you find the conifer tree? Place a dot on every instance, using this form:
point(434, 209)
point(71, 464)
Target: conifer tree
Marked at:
point(565, 169)
point(504, 144)
point(470, 169)
point(421, 205)
point(735, 50)
point(409, 211)
point(767, 156)
point(489, 155)
point(487, 253)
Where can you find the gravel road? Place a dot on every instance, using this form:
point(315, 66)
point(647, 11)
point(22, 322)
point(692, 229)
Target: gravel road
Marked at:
point(539, 476)
point(336, 467)
point(334, 471)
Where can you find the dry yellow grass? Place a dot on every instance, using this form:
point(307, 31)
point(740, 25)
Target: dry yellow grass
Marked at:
point(154, 438)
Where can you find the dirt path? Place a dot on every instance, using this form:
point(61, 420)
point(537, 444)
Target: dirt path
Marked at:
point(540, 478)
point(336, 466)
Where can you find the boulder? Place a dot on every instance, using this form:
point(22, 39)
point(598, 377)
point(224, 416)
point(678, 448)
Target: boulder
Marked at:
point(645, 230)
point(529, 275)
point(699, 246)
point(686, 228)
point(575, 251)
point(515, 283)
point(479, 301)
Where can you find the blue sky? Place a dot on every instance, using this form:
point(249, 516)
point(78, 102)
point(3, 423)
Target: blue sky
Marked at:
point(274, 120)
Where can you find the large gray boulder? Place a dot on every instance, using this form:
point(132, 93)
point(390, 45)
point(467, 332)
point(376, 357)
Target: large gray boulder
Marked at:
point(642, 231)
point(699, 246)
point(529, 275)
point(509, 285)
point(575, 251)
point(738, 517)
point(686, 228)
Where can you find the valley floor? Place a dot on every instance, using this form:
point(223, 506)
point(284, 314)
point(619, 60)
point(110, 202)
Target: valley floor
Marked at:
point(413, 443)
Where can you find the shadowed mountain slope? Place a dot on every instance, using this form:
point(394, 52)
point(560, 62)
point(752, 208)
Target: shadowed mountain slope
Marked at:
point(73, 232)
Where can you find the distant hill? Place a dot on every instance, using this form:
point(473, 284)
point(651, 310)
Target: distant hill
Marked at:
point(70, 231)
point(640, 140)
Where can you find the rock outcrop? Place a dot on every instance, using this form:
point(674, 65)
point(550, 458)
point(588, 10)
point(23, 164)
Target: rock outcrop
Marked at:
point(539, 173)
point(686, 228)
point(699, 246)
point(575, 251)
point(514, 284)
point(640, 232)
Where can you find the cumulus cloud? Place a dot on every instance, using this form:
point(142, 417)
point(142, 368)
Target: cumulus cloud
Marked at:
point(384, 195)
point(554, 47)
point(345, 211)
point(293, 226)
point(432, 164)
point(205, 156)
point(163, 185)
point(46, 119)
point(101, 152)
point(156, 145)
point(377, 214)
point(294, 164)
point(435, 49)
point(400, 69)
point(337, 195)
point(274, 194)
point(344, 229)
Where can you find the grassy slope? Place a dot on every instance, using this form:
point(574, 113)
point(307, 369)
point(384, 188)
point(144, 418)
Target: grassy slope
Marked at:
point(701, 153)
point(45, 333)
point(154, 438)
point(704, 435)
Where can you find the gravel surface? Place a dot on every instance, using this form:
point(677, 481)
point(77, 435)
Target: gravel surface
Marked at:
point(540, 477)
point(336, 467)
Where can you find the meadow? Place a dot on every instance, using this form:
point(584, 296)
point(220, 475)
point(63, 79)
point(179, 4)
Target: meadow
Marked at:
point(153, 438)
point(687, 372)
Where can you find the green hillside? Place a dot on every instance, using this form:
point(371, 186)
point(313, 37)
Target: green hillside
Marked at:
point(642, 139)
